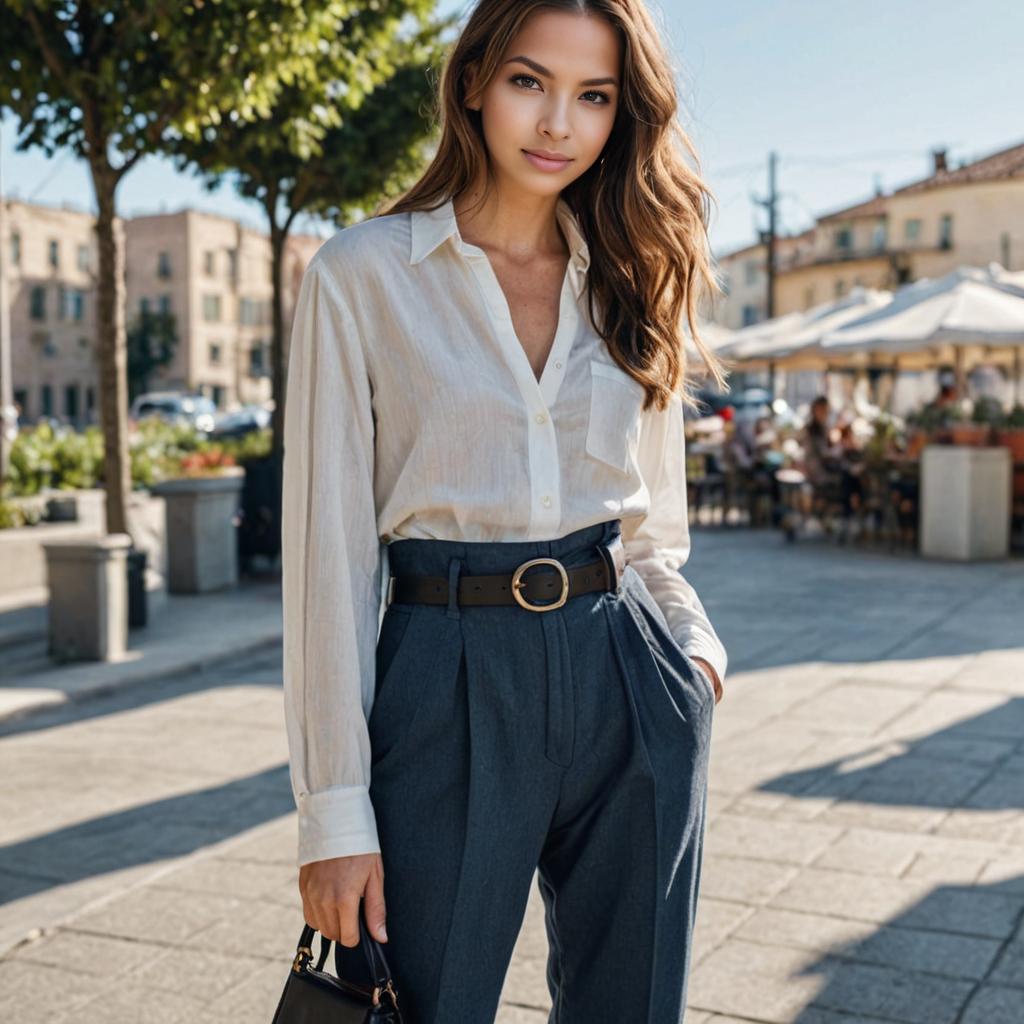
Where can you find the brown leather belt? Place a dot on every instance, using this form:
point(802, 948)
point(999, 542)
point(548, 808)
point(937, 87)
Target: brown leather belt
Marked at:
point(517, 587)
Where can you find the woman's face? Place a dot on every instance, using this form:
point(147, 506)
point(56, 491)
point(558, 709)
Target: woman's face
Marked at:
point(555, 90)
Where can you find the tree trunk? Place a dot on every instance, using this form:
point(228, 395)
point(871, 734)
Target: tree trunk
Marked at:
point(278, 238)
point(113, 359)
point(278, 386)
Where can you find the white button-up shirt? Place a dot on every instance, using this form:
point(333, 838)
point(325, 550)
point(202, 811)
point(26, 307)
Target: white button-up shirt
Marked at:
point(413, 411)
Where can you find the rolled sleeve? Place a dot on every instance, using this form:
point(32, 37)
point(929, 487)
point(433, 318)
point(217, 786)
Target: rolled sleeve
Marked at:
point(658, 543)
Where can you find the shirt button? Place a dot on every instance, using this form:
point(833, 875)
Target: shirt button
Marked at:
point(558, 366)
point(546, 501)
point(541, 418)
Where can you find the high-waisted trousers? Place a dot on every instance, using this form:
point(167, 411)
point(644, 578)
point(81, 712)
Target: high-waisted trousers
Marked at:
point(572, 743)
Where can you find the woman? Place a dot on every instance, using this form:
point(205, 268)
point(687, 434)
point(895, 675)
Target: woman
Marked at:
point(453, 413)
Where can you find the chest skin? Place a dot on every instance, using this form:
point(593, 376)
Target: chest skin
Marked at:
point(533, 292)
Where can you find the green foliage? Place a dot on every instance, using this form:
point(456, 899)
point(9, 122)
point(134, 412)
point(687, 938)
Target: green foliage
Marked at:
point(1015, 417)
point(988, 410)
point(152, 339)
point(14, 515)
point(43, 458)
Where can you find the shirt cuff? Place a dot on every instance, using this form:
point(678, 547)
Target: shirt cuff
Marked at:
point(336, 822)
point(715, 656)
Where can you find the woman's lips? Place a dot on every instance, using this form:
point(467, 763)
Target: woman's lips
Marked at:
point(543, 163)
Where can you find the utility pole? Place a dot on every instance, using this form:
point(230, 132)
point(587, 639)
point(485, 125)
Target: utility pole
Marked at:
point(768, 240)
point(6, 387)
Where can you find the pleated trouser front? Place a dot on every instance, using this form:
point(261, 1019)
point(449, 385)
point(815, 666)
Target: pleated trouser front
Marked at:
point(573, 742)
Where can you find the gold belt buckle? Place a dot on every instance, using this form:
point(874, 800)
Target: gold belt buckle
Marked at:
point(518, 583)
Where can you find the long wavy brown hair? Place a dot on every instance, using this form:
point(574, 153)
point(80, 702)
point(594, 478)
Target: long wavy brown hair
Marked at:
point(642, 209)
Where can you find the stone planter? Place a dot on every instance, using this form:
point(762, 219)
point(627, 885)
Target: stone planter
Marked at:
point(1013, 438)
point(970, 434)
point(965, 502)
point(202, 512)
point(88, 585)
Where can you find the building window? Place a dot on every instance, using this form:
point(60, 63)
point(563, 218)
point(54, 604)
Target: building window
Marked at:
point(83, 257)
point(46, 400)
point(253, 311)
point(16, 249)
point(880, 235)
point(21, 401)
point(257, 360)
point(54, 253)
point(37, 302)
point(90, 398)
point(77, 305)
point(844, 239)
point(749, 315)
point(143, 306)
point(62, 302)
point(163, 264)
point(215, 353)
point(165, 303)
point(912, 229)
point(209, 262)
point(217, 394)
point(211, 308)
point(71, 401)
point(232, 264)
point(946, 231)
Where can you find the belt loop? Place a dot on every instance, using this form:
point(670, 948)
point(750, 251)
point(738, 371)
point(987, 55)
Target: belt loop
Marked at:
point(610, 535)
point(454, 568)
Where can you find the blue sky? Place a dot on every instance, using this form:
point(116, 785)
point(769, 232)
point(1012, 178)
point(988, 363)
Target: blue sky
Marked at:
point(845, 94)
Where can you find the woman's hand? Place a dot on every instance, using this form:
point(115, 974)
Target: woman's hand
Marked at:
point(330, 896)
point(713, 676)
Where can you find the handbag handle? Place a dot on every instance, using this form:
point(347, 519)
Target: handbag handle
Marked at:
point(380, 971)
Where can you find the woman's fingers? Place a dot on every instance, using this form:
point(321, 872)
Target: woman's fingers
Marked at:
point(374, 903)
point(331, 891)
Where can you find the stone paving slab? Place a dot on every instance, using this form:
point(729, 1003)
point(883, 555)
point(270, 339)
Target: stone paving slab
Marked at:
point(864, 861)
point(188, 632)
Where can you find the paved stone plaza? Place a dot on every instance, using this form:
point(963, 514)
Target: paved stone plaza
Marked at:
point(865, 855)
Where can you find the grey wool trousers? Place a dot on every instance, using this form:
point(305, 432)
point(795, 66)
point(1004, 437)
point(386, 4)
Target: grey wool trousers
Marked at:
point(572, 743)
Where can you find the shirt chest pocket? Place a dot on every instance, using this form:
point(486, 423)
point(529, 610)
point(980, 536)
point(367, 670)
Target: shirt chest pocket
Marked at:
point(613, 429)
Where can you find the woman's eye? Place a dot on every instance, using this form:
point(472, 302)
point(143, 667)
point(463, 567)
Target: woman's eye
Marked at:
point(516, 79)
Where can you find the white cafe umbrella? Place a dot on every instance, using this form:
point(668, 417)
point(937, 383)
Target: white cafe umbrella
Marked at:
point(792, 340)
point(969, 306)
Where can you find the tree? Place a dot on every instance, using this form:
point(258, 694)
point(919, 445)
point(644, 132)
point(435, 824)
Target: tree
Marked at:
point(109, 81)
point(152, 339)
point(338, 139)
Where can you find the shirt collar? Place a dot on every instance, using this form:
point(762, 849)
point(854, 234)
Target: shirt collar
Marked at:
point(429, 228)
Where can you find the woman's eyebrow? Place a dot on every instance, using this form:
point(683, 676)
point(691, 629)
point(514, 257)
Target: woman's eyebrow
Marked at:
point(541, 70)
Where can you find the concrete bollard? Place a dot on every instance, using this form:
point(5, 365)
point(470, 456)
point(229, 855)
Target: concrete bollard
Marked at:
point(88, 584)
point(965, 502)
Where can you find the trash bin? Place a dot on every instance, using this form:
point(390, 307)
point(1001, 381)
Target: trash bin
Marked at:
point(136, 588)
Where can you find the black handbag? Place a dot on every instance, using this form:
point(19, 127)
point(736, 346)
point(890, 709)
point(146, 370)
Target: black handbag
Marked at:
point(313, 996)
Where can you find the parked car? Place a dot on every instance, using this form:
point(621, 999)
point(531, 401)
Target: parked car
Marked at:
point(241, 421)
point(9, 422)
point(176, 407)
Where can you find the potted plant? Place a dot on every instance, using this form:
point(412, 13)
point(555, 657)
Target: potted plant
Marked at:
point(1011, 432)
point(930, 424)
point(202, 495)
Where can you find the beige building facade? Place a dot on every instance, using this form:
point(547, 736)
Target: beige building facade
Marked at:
point(210, 272)
point(970, 214)
point(49, 262)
